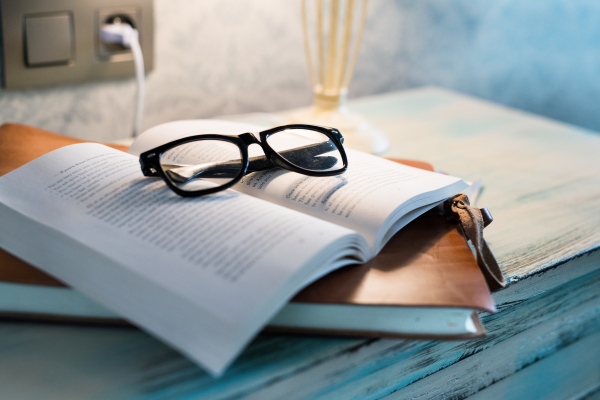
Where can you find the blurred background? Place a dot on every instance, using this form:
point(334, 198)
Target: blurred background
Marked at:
point(216, 57)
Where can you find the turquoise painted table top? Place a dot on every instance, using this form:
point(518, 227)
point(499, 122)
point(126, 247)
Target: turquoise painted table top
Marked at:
point(542, 184)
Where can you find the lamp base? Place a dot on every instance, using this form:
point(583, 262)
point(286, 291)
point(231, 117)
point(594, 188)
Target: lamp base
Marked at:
point(358, 133)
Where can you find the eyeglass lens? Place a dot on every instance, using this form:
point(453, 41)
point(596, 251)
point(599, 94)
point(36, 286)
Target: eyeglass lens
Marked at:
point(202, 164)
point(307, 149)
point(205, 164)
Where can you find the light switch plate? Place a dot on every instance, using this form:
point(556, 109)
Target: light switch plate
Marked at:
point(48, 39)
point(91, 59)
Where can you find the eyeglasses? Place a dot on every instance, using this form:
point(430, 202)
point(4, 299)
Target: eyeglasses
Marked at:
point(204, 164)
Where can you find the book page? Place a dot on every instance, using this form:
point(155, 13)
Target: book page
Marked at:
point(371, 197)
point(171, 131)
point(205, 274)
point(368, 198)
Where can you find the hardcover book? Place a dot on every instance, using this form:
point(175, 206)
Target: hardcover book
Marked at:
point(207, 274)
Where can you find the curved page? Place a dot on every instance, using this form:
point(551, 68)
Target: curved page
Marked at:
point(203, 274)
point(374, 197)
point(368, 198)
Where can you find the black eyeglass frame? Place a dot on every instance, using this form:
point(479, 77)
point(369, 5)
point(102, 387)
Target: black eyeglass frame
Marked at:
point(150, 160)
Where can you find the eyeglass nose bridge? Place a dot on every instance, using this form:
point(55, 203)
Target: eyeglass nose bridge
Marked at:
point(270, 159)
point(251, 138)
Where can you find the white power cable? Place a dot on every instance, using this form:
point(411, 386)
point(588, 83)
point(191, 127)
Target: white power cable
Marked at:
point(125, 34)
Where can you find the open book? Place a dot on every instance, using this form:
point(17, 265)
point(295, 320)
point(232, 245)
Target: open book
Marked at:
point(203, 274)
point(425, 283)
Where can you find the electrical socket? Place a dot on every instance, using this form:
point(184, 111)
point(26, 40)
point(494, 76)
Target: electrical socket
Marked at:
point(112, 52)
point(90, 59)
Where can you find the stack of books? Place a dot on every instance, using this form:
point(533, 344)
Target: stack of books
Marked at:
point(207, 274)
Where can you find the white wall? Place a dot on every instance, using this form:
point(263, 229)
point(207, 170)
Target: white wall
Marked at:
point(218, 57)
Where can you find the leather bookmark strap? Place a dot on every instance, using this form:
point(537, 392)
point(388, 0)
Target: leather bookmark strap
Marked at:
point(473, 220)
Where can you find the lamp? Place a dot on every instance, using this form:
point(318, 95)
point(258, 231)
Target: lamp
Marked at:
point(337, 48)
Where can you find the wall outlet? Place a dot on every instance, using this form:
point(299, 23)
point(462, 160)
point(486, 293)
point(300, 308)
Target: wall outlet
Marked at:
point(115, 52)
point(57, 42)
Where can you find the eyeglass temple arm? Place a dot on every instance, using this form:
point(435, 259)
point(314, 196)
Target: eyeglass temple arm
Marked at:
point(295, 156)
point(230, 169)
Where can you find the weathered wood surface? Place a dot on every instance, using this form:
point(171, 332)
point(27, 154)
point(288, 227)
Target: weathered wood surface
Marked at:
point(58, 361)
point(567, 374)
point(592, 396)
point(541, 177)
point(542, 183)
point(572, 312)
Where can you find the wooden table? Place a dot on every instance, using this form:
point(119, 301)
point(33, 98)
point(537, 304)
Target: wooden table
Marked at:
point(542, 184)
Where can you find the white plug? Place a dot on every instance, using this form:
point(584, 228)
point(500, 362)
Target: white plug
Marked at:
point(126, 35)
point(118, 32)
